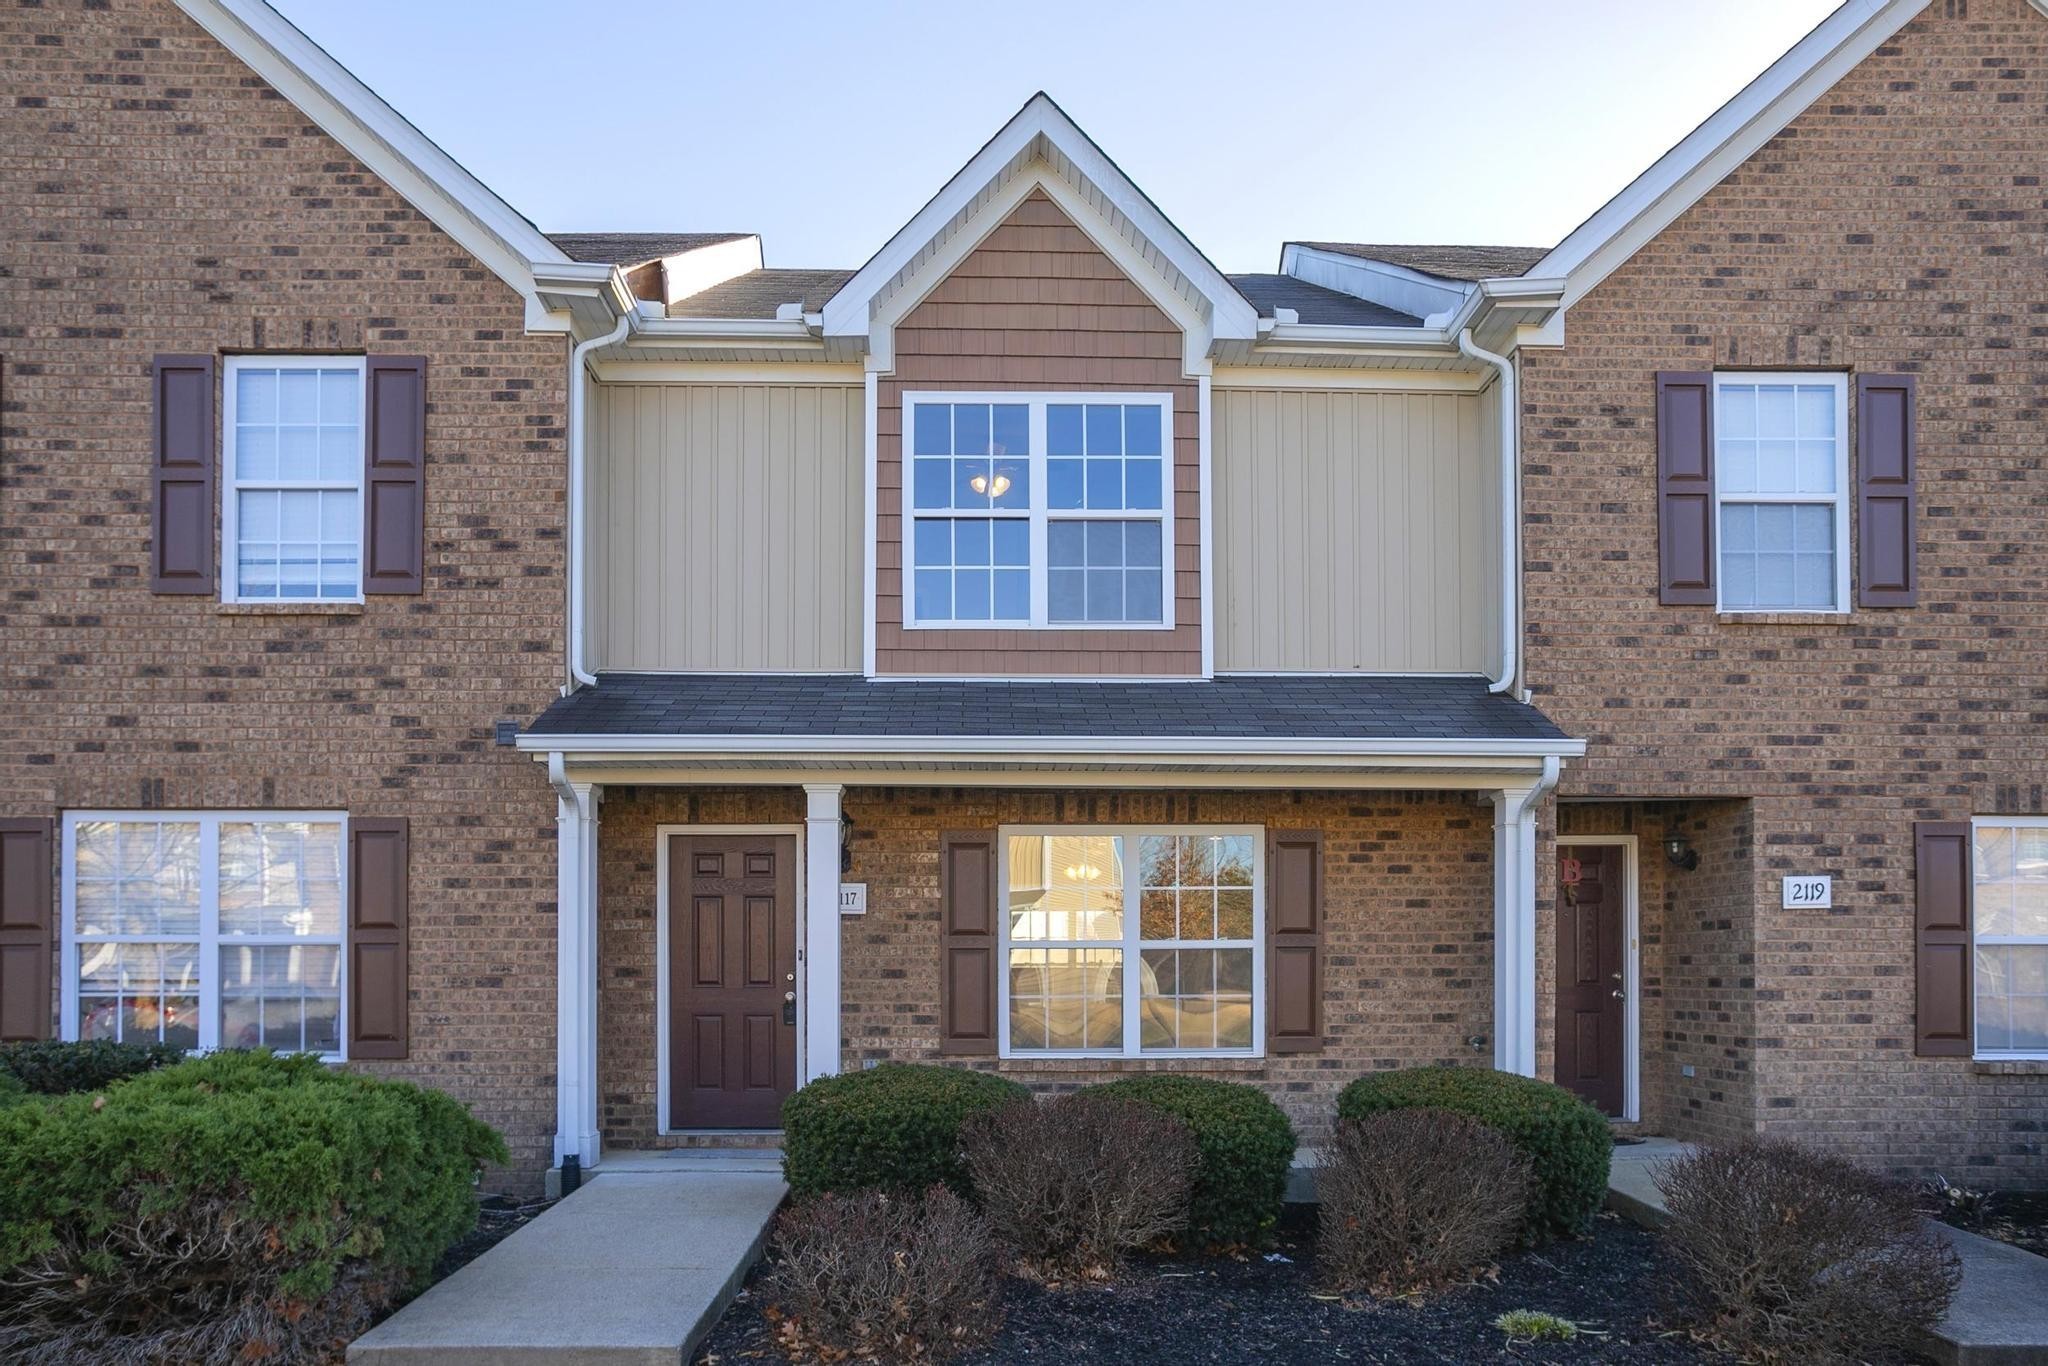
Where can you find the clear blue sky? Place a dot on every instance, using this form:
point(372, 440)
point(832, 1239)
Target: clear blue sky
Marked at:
point(824, 127)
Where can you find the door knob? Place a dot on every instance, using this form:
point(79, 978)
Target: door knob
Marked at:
point(789, 996)
point(1619, 994)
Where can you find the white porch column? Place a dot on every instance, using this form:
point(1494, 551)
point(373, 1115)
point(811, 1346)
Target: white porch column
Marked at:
point(1514, 923)
point(575, 967)
point(819, 1009)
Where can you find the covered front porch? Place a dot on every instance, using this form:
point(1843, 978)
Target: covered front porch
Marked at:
point(743, 912)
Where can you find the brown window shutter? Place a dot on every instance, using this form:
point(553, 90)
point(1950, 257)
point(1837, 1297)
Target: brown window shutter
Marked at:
point(181, 539)
point(395, 476)
point(1942, 878)
point(1885, 503)
point(377, 877)
point(1294, 940)
point(28, 919)
point(1685, 487)
point(968, 908)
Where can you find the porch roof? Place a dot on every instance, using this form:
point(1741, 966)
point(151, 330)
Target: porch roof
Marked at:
point(1347, 711)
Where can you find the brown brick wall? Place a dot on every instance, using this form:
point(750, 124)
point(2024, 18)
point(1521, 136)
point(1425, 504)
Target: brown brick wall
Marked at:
point(157, 196)
point(1897, 225)
point(1409, 898)
point(1037, 305)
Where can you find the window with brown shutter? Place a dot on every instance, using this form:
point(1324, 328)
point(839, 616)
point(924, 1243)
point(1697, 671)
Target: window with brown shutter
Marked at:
point(1294, 940)
point(1885, 574)
point(1685, 487)
point(377, 915)
point(27, 922)
point(1942, 880)
point(967, 980)
point(395, 475)
point(181, 536)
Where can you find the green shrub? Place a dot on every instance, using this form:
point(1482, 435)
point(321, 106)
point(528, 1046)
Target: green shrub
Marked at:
point(234, 1207)
point(893, 1127)
point(12, 1092)
point(1568, 1142)
point(1246, 1146)
point(55, 1069)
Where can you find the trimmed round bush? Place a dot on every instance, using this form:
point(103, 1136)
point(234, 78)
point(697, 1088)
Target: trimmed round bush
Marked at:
point(234, 1207)
point(1244, 1142)
point(49, 1068)
point(1568, 1142)
point(894, 1127)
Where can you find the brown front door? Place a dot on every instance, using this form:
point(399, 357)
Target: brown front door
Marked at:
point(732, 980)
point(1590, 971)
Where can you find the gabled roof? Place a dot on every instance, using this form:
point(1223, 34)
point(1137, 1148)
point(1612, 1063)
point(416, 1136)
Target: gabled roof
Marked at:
point(1466, 264)
point(636, 248)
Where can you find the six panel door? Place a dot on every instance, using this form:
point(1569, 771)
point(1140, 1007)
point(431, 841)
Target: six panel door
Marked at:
point(1591, 981)
point(732, 980)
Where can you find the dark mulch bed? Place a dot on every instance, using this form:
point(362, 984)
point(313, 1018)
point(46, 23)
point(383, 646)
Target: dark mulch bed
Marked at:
point(1189, 1309)
point(498, 1217)
point(2017, 1218)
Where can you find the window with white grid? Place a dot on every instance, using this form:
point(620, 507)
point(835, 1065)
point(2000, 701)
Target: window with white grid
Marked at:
point(292, 515)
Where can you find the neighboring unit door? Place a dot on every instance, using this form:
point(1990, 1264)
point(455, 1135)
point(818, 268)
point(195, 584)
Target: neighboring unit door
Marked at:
point(732, 980)
point(1591, 976)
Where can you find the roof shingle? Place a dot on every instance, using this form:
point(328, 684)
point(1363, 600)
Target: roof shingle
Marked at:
point(635, 248)
point(1315, 304)
point(758, 293)
point(1445, 262)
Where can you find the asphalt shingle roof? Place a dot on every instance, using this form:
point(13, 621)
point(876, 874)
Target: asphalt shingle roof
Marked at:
point(1316, 304)
point(1444, 262)
point(758, 293)
point(633, 248)
point(1272, 707)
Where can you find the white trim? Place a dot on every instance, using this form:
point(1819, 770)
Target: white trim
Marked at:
point(1632, 971)
point(231, 482)
point(576, 966)
point(1514, 922)
point(818, 1009)
point(1377, 381)
point(373, 133)
point(208, 940)
point(1382, 282)
point(730, 771)
point(724, 372)
point(1840, 501)
point(662, 835)
point(1097, 749)
point(1205, 481)
point(872, 466)
point(1133, 942)
point(1700, 161)
point(1039, 514)
point(1977, 1053)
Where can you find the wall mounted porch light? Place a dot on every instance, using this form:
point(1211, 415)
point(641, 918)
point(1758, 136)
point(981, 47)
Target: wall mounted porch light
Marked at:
point(1680, 853)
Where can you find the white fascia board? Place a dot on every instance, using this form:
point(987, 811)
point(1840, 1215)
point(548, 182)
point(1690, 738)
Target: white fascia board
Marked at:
point(846, 314)
point(378, 136)
point(1375, 338)
point(1705, 156)
point(1379, 282)
point(1078, 748)
point(693, 272)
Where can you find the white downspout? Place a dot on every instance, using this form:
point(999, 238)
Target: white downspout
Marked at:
point(578, 674)
point(1510, 514)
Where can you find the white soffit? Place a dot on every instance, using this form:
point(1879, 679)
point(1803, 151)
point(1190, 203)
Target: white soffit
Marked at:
point(1700, 161)
point(380, 138)
point(1042, 132)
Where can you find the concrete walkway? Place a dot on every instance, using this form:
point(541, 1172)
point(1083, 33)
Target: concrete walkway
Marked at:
point(631, 1270)
point(1999, 1316)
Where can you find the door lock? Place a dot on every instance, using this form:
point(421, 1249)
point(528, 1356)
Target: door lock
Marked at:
point(789, 1007)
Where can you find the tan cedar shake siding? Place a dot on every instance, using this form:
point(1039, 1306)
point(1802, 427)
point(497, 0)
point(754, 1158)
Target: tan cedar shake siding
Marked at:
point(1037, 306)
point(157, 197)
point(1408, 976)
point(1896, 227)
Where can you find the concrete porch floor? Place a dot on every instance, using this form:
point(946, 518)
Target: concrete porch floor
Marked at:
point(633, 1269)
point(1999, 1316)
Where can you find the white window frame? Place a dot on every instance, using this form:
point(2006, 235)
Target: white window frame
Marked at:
point(232, 483)
point(1843, 550)
point(209, 938)
point(1131, 944)
point(1036, 402)
point(1977, 1050)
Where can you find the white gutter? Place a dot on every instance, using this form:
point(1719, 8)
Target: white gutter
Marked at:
point(1091, 748)
point(578, 674)
point(1510, 514)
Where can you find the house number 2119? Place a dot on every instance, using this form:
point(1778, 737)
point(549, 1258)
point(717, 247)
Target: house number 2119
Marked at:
point(1810, 893)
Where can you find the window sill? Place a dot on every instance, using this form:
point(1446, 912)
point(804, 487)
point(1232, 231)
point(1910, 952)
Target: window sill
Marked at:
point(289, 609)
point(2010, 1067)
point(1231, 1063)
point(1779, 618)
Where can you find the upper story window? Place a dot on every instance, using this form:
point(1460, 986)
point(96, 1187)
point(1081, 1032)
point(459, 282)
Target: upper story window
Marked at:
point(1039, 510)
point(293, 515)
point(1137, 942)
point(2009, 917)
point(204, 929)
point(1781, 472)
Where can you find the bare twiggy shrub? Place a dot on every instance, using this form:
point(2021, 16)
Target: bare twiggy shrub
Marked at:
point(1787, 1254)
point(885, 1276)
point(1074, 1183)
point(1413, 1199)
